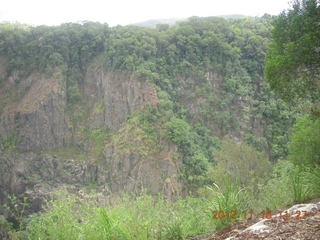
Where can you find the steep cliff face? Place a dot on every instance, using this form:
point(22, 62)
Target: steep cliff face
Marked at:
point(37, 118)
point(129, 108)
point(121, 94)
point(146, 160)
point(37, 175)
point(223, 109)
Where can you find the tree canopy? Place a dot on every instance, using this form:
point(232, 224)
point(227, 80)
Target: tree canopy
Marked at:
point(293, 59)
point(208, 73)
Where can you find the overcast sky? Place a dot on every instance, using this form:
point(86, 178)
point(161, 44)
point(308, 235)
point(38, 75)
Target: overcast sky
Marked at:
point(114, 12)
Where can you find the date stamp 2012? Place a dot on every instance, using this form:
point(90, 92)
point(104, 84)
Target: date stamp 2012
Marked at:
point(268, 214)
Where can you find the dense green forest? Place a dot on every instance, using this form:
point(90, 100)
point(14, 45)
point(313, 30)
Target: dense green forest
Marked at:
point(234, 49)
point(248, 139)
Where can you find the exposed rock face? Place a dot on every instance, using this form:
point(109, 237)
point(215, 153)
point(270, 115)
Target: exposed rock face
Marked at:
point(122, 93)
point(157, 172)
point(35, 175)
point(36, 115)
point(39, 117)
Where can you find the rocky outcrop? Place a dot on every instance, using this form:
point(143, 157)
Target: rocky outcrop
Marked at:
point(36, 175)
point(121, 94)
point(132, 172)
point(39, 120)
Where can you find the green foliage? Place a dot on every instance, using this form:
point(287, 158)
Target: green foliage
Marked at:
point(173, 232)
point(16, 209)
point(52, 42)
point(94, 139)
point(208, 76)
point(129, 47)
point(277, 118)
point(292, 70)
point(108, 228)
point(146, 217)
point(226, 199)
point(73, 94)
point(139, 218)
point(194, 158)
point(293, 60)
point(60, 222)
point(70, 47)
point(299, 188)
point(212, 62)
point(4, 227)
point(239, 166)
point(289, 184)
point(142, 134)
point(179, 131)
point(313, 179)
point(9, 142)
point(147, 119)
point(242, 162)
point(276, 193)
point(305, 141)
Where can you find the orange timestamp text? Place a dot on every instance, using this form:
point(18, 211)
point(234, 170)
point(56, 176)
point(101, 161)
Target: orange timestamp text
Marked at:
point(268, 214)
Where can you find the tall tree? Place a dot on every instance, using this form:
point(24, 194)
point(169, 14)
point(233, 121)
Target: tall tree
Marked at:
point(293, 59)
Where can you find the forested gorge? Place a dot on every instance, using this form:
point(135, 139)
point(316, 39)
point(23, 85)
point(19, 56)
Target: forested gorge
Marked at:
point(237, 97)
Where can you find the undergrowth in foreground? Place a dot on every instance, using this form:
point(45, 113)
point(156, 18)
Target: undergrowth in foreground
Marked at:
point(140, 218)
point(148, 217)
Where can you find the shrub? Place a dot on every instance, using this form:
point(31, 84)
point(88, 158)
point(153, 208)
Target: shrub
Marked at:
point(305, 141)
point(242, 162)
point(226, 199)
point(140, 218)
point(312, 178)
point(298, 184)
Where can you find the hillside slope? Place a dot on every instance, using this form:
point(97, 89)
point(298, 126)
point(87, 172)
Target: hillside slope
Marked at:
point(128, 108)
